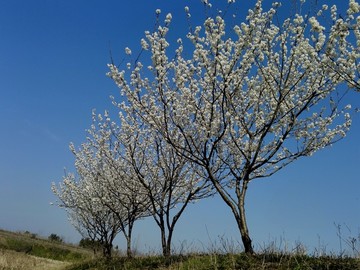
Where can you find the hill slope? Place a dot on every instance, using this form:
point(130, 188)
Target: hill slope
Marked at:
point(25, 251)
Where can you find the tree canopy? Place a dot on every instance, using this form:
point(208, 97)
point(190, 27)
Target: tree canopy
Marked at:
point(249, 99)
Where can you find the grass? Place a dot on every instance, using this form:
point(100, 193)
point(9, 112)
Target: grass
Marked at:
point(12, 260)
point(223, 262)
point(26, 251)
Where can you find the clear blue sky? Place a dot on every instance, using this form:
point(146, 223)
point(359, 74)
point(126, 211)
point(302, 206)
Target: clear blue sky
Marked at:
point(53, 57)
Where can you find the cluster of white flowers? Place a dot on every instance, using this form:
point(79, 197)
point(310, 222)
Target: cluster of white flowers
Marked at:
point(168, 18)
point(207, 3)
point(354, 7)
point(127, 51)
point(315, 25)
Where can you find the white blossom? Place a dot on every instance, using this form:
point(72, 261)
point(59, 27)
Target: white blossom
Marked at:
point(168, 18)
point(354, 7)
point(144, 44)
point(127, 51)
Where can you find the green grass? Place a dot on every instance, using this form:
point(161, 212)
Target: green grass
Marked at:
point(75, 258)
point(223, 262)
point(28, 244)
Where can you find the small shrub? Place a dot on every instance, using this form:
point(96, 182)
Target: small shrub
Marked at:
point(90, 244)
point(55, 238)
point(31, 235)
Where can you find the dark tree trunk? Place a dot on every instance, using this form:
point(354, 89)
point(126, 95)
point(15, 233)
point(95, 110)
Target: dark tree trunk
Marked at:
point(238, 209)
point(164, 243)
point(166, 251)
point(168, 243)
point(245, 236)
point(241, 221)
point(128, 239)
point(128, 248)
point(247, 244)
point(244, 231)
point(107, 249)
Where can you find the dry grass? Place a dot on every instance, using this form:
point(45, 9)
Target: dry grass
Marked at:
point(12, 260)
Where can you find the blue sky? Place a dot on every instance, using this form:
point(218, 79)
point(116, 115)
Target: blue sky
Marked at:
point(53, 61)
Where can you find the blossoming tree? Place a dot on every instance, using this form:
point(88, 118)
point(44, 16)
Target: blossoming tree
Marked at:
point(89, 217)
point(169, 180)
point(107, 196)
point(250, 99)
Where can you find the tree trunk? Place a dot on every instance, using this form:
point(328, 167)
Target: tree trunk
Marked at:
point(107, 248)
point(128, 240)
point(241, 221)
point(245, 237)
point(165, 248)
point(168, 243)
point(238, 209)
point(247, 244)
point(128, 247)
point(166, 251)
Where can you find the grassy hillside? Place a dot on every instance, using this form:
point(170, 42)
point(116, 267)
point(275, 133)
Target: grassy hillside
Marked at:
point(26, 251)
point(223, 262)
point(20, 261)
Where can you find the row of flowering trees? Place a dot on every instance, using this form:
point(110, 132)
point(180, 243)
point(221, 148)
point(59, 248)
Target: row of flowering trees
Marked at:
point(239, 105)
point(124, 174)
